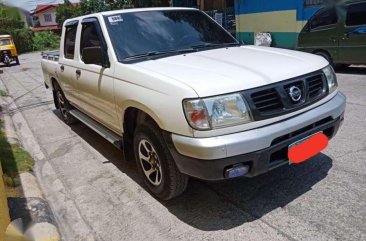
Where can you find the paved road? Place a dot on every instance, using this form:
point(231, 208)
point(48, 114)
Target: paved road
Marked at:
point(97, 196)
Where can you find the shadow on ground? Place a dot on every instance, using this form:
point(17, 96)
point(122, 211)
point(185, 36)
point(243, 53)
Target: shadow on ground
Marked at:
point(4, 66)
point(225, 205)
point(359, 70)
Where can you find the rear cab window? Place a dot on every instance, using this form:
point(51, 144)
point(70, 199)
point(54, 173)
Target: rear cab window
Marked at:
point(356, 15)
point(70, 37)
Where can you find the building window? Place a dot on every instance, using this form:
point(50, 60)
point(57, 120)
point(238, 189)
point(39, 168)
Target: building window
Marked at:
point(47, 18)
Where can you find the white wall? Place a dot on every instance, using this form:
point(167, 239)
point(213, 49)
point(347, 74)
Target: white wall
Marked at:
point(42, 21)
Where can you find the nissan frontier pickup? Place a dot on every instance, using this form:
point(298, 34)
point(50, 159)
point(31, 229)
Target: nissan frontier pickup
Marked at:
point(177, 93)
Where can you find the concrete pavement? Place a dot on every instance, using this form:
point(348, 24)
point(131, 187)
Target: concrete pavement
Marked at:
point(95, 195)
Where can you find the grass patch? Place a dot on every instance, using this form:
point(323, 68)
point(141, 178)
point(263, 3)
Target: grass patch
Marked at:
point(14, 159)
point(3, 93)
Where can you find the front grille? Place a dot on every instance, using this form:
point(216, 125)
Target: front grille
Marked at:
point(267, 100)
point(275, 100)
point(315, 85)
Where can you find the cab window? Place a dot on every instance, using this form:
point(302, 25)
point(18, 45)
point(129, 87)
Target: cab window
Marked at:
point(69, 45)
point(5, 42)
point(356, 15)
point(89, 36)
point(323, 18)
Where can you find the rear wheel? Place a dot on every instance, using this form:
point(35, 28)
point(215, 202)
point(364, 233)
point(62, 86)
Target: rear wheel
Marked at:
point(64, 106)
point(156, 164)
point(7, 61)
point(17, 60)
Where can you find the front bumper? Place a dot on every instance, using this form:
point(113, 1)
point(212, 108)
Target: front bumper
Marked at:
point(262, 149)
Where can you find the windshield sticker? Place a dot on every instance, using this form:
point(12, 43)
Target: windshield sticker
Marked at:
point(115, 19)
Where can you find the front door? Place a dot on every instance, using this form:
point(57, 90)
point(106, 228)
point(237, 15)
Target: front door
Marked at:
point(95, 82)
point(353, 37)
point(321, 33)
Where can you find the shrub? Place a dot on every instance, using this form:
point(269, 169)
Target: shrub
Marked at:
point(45, 40)
point(23, 39)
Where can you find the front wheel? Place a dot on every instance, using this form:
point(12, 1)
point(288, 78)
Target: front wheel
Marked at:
point(17, 60)
point(156, 164)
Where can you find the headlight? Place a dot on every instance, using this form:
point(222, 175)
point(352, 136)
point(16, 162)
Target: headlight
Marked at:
point(216, 112)
point(331, 78)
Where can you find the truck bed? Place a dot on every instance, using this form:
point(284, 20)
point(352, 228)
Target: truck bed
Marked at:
point(51, 55)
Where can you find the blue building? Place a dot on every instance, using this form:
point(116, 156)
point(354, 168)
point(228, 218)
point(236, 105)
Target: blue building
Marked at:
point(284, 19)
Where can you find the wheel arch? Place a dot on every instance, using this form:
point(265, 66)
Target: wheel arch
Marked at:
point(319, 50)
point(54, 84)
point(132, 116)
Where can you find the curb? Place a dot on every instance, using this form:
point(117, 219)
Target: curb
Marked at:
point(30, 214)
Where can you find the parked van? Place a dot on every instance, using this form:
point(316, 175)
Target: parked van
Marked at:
point(338, 33)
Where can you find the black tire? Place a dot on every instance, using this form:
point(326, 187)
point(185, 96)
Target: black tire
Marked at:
point(172, 182)
point(17, 60)
point(63, 106)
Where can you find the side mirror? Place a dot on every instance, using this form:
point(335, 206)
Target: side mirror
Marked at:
point(95, 55)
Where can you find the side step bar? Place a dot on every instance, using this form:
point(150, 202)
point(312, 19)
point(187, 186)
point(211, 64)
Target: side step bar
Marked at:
point(98, 128)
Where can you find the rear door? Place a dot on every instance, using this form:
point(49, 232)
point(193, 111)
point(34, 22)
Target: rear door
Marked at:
point(353, 41)
point(67, 62)
point(95, 82)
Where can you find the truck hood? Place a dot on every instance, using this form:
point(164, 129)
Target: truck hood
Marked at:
point(226, 70)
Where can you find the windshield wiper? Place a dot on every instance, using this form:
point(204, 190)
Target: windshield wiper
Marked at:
point(160, 53)
point(214, 45)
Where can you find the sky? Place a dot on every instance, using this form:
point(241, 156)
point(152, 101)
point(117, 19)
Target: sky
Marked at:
point(31, 4)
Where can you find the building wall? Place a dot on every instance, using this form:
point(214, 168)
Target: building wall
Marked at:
point(211, 4)
point(205, 5)
point(284, 19)
point(41, 17)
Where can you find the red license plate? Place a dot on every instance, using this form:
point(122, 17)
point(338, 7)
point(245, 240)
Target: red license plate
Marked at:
point(306, 148)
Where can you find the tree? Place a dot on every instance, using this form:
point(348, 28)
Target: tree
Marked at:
point(93, 6)
point(66, 11)
point(11, 23)
point(10, 19)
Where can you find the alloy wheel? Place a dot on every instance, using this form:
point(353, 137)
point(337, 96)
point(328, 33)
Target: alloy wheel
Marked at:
point(150, 162)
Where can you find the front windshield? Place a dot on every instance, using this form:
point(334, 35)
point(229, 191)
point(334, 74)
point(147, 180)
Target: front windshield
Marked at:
point(137, 33)
point(5, 42)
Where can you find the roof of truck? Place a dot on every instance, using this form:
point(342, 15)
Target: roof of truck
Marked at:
point(5, 36)
point(145, 9)
point(130, 10)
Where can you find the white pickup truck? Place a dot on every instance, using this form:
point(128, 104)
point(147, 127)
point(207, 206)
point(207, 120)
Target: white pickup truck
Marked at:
point(181, 96)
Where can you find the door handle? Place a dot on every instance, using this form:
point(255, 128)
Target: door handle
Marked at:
point(62, 68)
point(333, 39)
point(78, 72)
point(345, 36)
